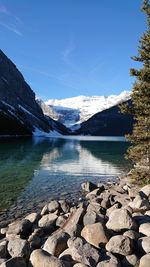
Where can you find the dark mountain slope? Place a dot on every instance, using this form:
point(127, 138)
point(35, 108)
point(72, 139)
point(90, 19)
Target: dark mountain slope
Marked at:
point(19, 111)
point(109, 122)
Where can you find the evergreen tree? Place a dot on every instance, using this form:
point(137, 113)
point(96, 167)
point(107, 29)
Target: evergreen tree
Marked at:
point(139, 151)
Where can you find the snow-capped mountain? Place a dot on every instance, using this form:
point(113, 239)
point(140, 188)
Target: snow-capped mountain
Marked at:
point(73, 111)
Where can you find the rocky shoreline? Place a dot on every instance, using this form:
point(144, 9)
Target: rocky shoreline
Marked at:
point(108, 227)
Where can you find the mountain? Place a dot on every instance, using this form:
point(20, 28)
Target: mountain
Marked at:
point(20, 114)
point(109, 122)
point(75, 110)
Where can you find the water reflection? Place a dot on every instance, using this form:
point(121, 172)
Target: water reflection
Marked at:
point(34, 171)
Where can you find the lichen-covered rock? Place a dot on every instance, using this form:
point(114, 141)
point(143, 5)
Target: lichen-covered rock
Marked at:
point(95, 234)
point(83, 252)
point(120, 244)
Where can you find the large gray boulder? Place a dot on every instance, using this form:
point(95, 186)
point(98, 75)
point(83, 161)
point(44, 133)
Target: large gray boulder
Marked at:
point(120, 244)
point(56, 243)
point(72, 225)
point(95, 234)
point(47, 220)
point(53, 206)
point(83, 252)
point(19, 248)
point(139, 204)
point(40, 258)
point(145, 261)
point(120, 219)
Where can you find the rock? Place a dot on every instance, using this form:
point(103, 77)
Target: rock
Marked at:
point(145, 229)
point(105, 200)
point(144, 244)
point(145, 191)
point(83, 252)
point(22, 228)
point(145, 261)
point(56, 243)
point(94, 193)
point(37, 231)
point(133, 192)
point(120, 244)
point(61, 220)
point(72, 224)
point(64, 206)
point(123, 199)
point(140, 218)
point(139, 204)
point(132, 234)
point(147, 213)
point(80, 265)
point(45, 210)
point(92, 217)
point(40, 258)
point(33, 217)
point(116, 206)
point(108, 260)
point(66, 256)
point(47, 220)
point(3, 249)
point(93, 206)
point(34, 241)
point(95, 234)
point(88, 186)
point(130, 261)
point(14, 262)
point(2, 260)
point(4, 230)
point(19, 248)
point(120, 219)
point(53, 206)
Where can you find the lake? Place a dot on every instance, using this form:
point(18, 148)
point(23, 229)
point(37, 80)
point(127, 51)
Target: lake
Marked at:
point(33, 171)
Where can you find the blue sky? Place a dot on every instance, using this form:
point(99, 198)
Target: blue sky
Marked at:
point(66, 48)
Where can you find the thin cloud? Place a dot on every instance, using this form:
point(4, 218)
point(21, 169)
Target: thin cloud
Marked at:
point(10, 21)
point(68, 51)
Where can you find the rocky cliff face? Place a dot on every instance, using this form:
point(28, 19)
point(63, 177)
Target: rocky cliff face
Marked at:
point(19, 111)
point(110, 122)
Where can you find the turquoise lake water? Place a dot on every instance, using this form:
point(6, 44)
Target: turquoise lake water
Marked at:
point(33, 171)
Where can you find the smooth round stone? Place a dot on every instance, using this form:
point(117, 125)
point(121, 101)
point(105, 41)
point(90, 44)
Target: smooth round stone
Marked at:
point(145, 229)
point(145, 261)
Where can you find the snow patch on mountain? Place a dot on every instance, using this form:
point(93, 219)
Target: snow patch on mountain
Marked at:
point(72, 111)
